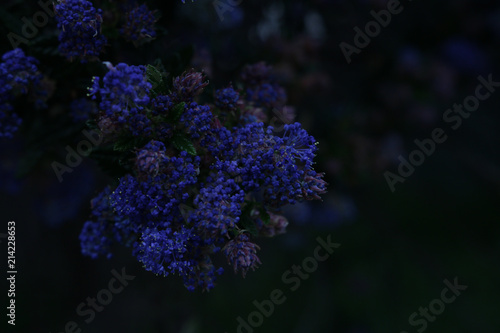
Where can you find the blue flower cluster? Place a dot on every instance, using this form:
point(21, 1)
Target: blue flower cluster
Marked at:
point(218, 208)
point(139, 25)
point(280, 168)
point(155, 201)
point(226, 98)
point(197, 120)
point(80, 25)
point(99, 233)
point(19, 75)
point(164, 252)
point(203, 183)
point(124, 94)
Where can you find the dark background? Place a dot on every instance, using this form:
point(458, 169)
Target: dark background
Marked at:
point(396, 249)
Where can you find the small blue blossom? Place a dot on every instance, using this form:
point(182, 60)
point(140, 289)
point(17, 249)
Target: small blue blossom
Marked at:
point(80, 25)
point(196, 119)
point(226, 98)
point(94, 240)
point(9, 121)
point(165, 251)
point(18, 75)
point(139, 25)
point(99, 233)
point(219, 143)
point(161, 105)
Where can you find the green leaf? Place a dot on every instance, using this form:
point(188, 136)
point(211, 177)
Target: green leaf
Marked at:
point(92, 124)
point(185, 210)
point(126, 143)
point(122, 144)
point(249, 225)
point(155, 77)
point(110, 161)
point(264, 215)
point(246, 222)
point(182, 143)
point(176, 112)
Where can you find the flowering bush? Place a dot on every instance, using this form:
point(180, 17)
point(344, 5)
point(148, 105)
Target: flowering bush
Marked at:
point(200, 178)
point(198, 174)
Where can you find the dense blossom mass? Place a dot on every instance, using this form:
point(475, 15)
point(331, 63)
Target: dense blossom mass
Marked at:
point(201, 178)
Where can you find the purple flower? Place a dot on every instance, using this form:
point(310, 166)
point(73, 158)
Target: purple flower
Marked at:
point(150, 159)
point(242, 254)
point(189, 85)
